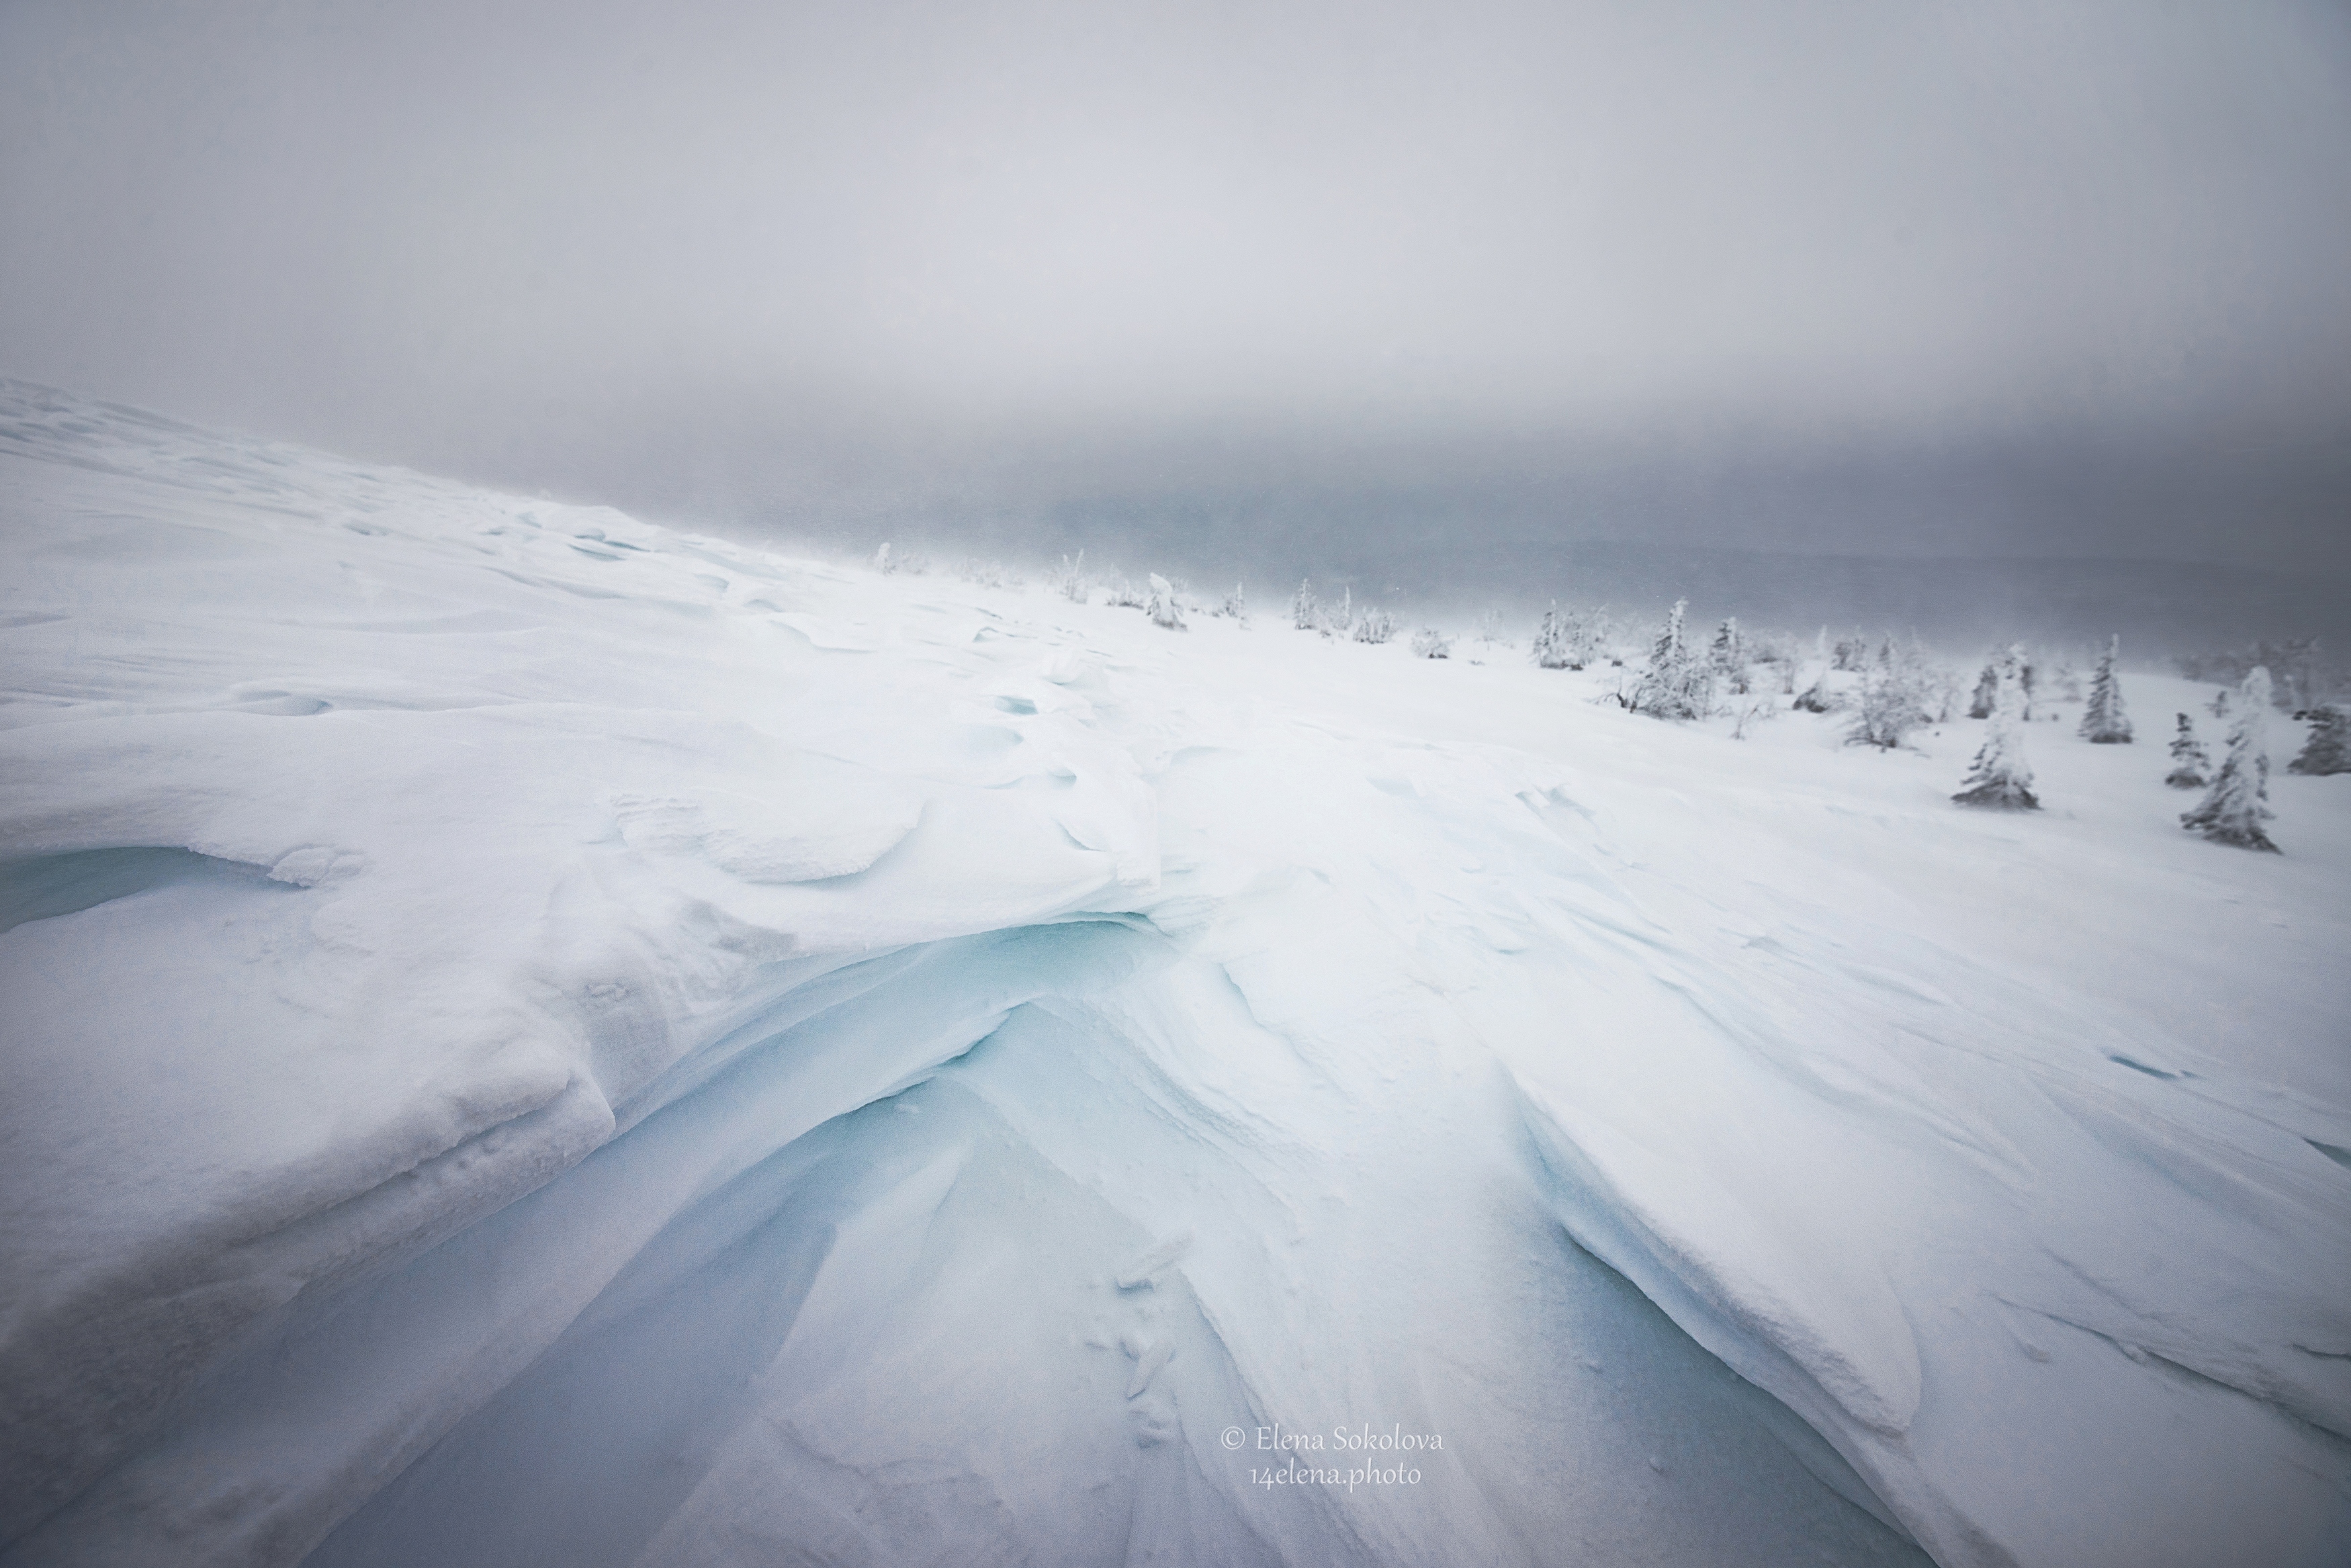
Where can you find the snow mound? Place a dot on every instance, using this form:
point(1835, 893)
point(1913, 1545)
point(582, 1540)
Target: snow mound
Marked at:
point(536, 1037)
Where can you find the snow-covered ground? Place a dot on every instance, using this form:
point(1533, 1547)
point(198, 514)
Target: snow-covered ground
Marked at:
point(533, 1038)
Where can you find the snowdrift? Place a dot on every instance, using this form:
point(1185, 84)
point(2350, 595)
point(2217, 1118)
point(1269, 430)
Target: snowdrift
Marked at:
point(532, 1037)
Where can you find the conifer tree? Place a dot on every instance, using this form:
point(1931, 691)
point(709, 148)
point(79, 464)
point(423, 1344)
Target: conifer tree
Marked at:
point(1891, 701)
point(1675, 685)
point(1301, 606)
point(2001, 777)
point(1726, 657)
point(2104, 723)
point(1551, 646)
point(1162, 605)
point(1587, 637)
point(2234, 808)
point(2328, 749)
point(1339, 620)
point(2192, 766)
point(1987, 691)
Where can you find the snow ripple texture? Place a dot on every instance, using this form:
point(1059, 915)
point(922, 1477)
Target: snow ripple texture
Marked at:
point(537, 1038)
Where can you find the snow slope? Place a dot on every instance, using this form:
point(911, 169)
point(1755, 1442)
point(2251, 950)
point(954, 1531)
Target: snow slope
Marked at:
point(532, 1037)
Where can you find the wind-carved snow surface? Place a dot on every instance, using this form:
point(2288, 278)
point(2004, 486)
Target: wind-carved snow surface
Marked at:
point(534, 1038)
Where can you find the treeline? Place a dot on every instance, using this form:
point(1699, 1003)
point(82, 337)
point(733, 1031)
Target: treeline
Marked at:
point(1884, 688)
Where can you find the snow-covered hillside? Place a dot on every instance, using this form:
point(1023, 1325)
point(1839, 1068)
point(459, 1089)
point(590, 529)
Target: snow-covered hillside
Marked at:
point(533, 1038)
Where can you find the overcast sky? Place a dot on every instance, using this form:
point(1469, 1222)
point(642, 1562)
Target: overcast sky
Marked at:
point(1927, 278)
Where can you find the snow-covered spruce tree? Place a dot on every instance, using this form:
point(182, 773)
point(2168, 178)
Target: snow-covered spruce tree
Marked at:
point(1120, 594)
point(1725, 658)
point(1770, 662)
point(2001, 778)
point(1587, 637)
point(1374, 625)
point(1986, 689)
point(1430, 643)
point(2234, 808)
point(1551, 650)
point(2011, 663)
point(1891, 701)
point(1236, 603)
point(2219, 706)
point(1937, 685)
point(1676, 684)
point(1304, 614)
point(2328, 749)
point(1070, 581)
point(2192, 766)
point(1162, 605)
point(883, 561)
point(1339, 619)
point(2104, 723)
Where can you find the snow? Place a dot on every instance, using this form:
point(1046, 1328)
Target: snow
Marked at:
point(535, 1037)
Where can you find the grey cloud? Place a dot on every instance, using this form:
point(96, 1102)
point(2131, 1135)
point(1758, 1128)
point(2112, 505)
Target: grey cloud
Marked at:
point(1812, 275)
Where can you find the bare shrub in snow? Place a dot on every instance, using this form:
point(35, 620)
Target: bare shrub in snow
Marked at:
point(2328, 749)
point(1749, 709)
point(1430, 643)
point(1374, 625)
point(2104, 723)
point(2001, 778)
point(2192, 766)
point(2234, 808)
point(1490, 630)
point(1120, 594)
